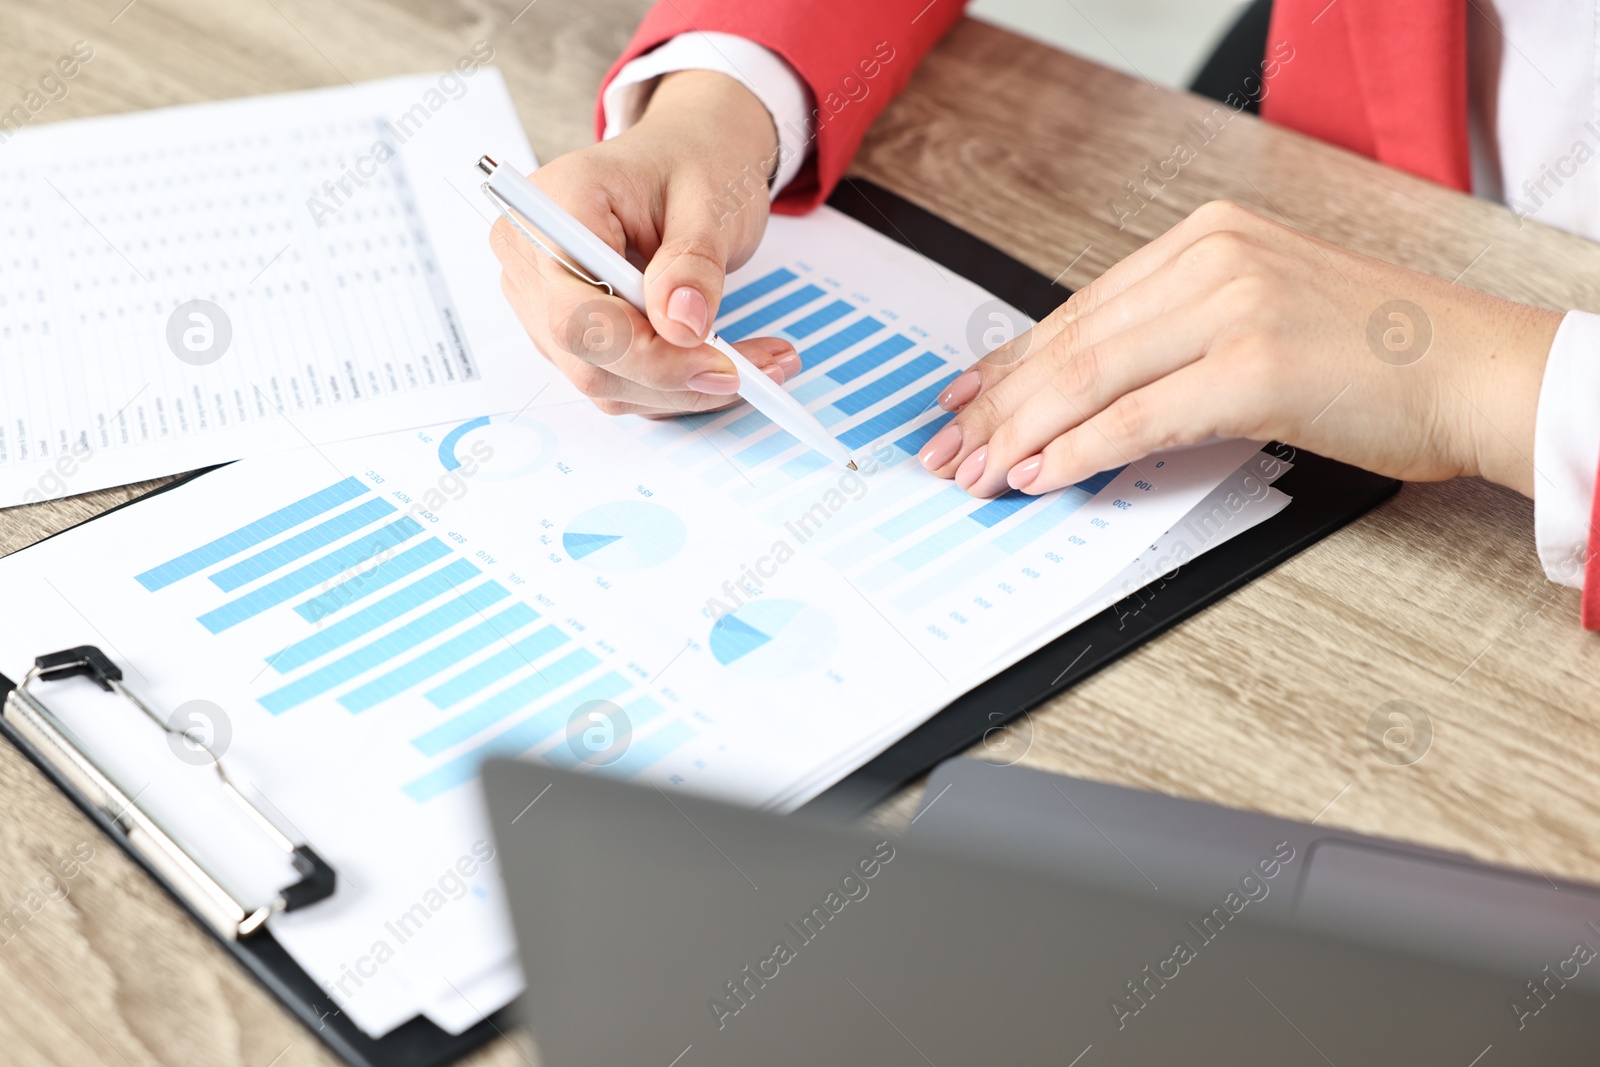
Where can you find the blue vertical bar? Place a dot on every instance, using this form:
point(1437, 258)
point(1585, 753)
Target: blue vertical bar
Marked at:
point(302, 544)
point(818, 319)
point(439, 658)
point(755, 290)
point(298, 581)
point(834, 343)
point(249, 536)
point(360, 586)
point(482, 675)
point(888, 385)
point(511, 699)
point(871, 359)
point(896, 416)
point(369, 618)
point(757, 320)
point(515, 741)
point(384, 648)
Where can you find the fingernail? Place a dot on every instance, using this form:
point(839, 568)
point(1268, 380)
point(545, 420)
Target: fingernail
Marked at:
point(790, 362)
point(774, 372)
point(688, 308)
point(1023, 474)
point(942, 448)
point(714, 382)
point(961, 391)
point(971, 468)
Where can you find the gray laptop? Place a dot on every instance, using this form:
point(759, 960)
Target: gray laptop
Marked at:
point(1026, 918)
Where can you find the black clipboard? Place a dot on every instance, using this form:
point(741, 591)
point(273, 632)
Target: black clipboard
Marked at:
point(1327, 495)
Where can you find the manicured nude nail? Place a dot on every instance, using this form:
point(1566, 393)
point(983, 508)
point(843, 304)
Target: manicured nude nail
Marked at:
point(714, 382)
point(790, 362)
point(961, 391)
point(971, 468)
point(688, 308)
point(774, 372)
point(1023, 474)
point(942, 448)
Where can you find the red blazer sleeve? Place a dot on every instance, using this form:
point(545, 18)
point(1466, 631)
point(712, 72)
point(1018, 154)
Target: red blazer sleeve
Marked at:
point(854, 55)
point(1591, 571)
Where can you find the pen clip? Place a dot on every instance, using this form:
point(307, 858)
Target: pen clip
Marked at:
point(572, 268)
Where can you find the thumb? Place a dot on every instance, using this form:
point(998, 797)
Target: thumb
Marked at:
point(683, 283)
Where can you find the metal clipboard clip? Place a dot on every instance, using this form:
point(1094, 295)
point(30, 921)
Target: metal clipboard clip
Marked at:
point(230, 917)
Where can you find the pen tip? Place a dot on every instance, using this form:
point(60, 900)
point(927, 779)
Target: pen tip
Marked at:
point(852, 465)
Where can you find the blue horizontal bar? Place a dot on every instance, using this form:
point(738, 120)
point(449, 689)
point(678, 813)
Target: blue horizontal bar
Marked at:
point(755, 290)
point(915, 518)
point(439, 658)
point(896, 416)
point(482, 675)
point(804, 464)
point(231, 544)
point(834, 343)
point(302, 544)
point(745, 425)
point(760, 320)
point(318, 570)
point(912, 442)
point(652, 750)
point(373, 616)
point(360, 586)
point(888, 385)
point(818, 319)
point(515, 741)
point(1036, 525)
point(639, 712)
point(766, 448)
point(1002, 508)
point(931, 548)
point(385, 648)
point(871, 359)
point(1097, 482)
point(509, 700)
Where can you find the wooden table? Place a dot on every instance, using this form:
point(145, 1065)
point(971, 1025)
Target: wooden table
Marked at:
point(1263, 702)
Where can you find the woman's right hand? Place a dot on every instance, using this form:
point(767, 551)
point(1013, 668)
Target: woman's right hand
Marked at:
point(682, 194)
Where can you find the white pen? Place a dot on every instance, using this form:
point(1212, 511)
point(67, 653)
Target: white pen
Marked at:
point(602, 266)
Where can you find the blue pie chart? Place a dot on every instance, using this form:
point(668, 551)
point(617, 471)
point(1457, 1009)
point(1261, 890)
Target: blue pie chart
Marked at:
point(625, 535)
point(774, 638)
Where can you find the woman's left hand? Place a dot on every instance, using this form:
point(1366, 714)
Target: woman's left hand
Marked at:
point(1235, 326)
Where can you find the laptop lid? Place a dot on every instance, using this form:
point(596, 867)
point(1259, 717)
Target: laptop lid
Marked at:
point(662, 928)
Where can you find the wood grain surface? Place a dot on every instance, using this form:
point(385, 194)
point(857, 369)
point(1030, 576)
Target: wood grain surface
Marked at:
point(1262, 702)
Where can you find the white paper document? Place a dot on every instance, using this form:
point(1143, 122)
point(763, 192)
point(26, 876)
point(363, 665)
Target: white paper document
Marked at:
point(188, 286)
point(699, 604)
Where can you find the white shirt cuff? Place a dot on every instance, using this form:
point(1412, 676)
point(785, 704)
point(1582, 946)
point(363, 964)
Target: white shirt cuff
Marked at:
point(1566, 448)
point(758, 69)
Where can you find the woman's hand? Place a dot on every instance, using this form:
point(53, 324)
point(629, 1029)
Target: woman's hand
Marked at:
point(1235, 326)
point(683, 194)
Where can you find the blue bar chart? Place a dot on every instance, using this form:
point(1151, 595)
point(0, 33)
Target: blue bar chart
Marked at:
point(382, 610)
point(874, 382)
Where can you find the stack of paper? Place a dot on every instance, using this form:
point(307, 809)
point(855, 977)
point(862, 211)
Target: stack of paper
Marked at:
point(700, 604)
